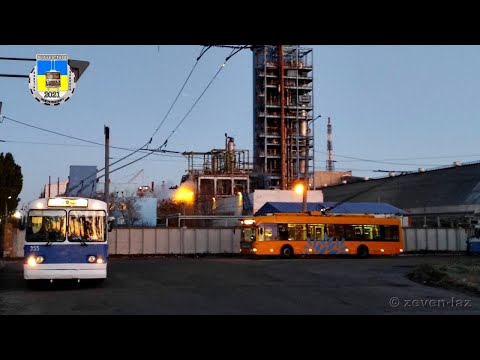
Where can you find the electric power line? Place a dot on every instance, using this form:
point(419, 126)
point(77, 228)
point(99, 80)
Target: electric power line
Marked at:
point(374, 161)
point(234, 51)
point(203, 51)
point(156, 130)
point(203, 92)
point(52, 132)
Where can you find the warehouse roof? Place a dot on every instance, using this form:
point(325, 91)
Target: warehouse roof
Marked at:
point(343, 208)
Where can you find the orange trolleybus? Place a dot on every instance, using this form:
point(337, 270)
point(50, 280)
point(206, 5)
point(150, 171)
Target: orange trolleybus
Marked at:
point(316, 233)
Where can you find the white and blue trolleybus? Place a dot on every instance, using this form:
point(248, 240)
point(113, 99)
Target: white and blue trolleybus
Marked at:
point(66, 238)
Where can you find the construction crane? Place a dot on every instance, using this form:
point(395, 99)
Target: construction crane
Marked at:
point(135, 176)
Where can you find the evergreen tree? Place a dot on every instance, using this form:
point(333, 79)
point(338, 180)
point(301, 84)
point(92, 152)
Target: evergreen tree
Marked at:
point(11, 183)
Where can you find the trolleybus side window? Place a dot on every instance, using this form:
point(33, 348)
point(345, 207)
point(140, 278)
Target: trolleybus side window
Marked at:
point(268, 232)
point(372, 232)
point(391, 233)
point(320, 232)
point(282, 231)
point(297, 232)
point(316, 232)
point(336, 231)
point(353, 232)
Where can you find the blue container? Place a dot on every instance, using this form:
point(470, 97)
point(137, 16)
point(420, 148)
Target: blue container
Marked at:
point(473, 246)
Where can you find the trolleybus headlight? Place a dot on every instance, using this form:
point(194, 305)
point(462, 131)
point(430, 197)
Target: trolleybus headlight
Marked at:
point(401, 250)
point(91, 259)
point(99, 260)
point(254, 249)
point(34, 260)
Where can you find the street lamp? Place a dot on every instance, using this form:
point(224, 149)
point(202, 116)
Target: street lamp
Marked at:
point(6, 208)
point(305, 175)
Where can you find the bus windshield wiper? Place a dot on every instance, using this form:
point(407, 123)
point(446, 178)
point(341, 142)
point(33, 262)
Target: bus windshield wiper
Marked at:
point(52, 236)
point(78, 239)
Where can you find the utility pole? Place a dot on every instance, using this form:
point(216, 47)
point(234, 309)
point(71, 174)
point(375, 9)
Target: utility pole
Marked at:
point(305, 174)
point(107, 156)
point(330, 166)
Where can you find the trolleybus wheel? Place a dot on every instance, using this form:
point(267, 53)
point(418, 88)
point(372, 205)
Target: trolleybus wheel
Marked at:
point(286, 251)
point(362, 251)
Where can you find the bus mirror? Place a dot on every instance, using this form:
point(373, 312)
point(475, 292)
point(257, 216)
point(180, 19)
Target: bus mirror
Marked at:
point(111, 221)
point(21, 223)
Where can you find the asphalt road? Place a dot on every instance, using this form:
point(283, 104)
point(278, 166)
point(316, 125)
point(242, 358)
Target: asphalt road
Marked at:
point(243, 286)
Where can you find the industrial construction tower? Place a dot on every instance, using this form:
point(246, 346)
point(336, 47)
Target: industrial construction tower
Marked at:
point(283, 146)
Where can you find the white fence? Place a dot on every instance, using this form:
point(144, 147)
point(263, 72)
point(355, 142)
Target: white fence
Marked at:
point(435, 239)
point(165, 241)
point(173, 241)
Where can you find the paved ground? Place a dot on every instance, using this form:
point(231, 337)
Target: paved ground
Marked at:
point(219, 286)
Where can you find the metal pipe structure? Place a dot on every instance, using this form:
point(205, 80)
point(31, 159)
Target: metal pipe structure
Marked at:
point(282, 117)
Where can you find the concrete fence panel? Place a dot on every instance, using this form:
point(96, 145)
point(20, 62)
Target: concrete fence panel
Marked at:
point(123, 241)
point(112, 242)
point(136, 241)
point(226, 239)
point(162, 241)
point(451, 237)
point(462, 240)
point(202, 241)
point(174, 236)
point(149, 241)
point(432, 239)
point(189, 241)
point(214, 241)
point(409, 239)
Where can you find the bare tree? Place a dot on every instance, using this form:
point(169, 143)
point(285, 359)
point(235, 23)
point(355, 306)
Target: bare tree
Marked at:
point(127, 208)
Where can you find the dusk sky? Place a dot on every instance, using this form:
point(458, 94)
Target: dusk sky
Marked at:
point(393, 108)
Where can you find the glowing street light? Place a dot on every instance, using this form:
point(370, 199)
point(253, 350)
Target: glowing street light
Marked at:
point(299, 188)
